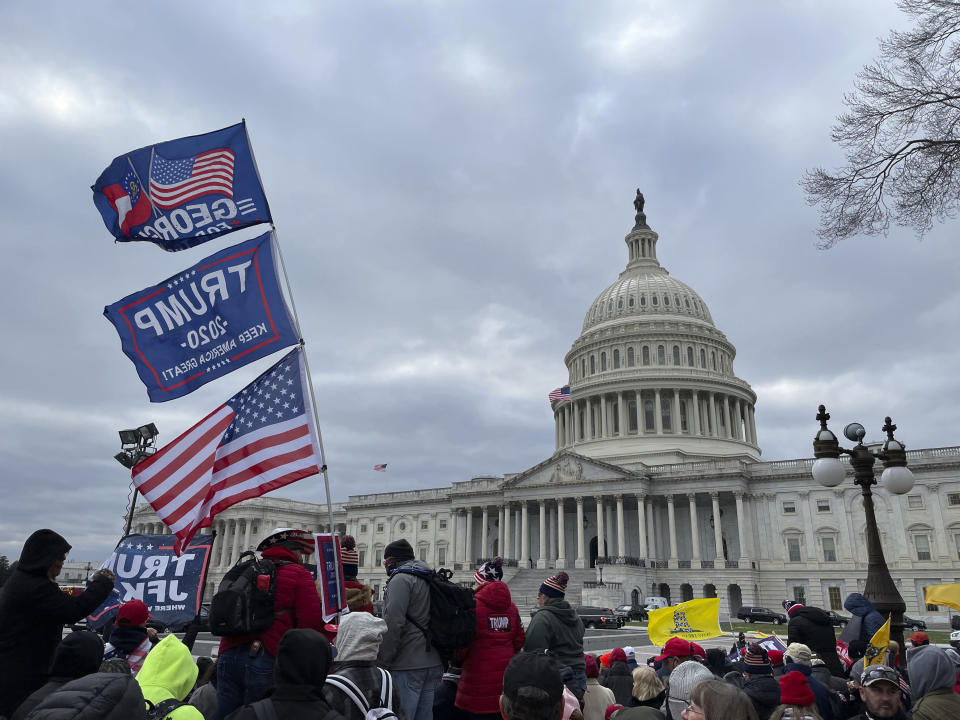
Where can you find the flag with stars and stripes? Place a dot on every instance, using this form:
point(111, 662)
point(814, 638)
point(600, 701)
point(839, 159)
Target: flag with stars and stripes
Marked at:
point(174, 182)
point(261, 439)
point(561, 393)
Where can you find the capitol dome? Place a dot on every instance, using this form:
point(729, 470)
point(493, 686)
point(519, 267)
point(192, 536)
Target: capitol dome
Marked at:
point(651, 377)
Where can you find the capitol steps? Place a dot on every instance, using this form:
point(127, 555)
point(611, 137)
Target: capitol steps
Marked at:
point(525, 586)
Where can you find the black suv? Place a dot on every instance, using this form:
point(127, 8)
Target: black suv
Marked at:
point(914, 624)
point(630, 612)
point(761, 614)
point(597, 617)
point(837, 620)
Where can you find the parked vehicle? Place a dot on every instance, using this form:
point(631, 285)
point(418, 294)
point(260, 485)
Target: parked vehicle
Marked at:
point(955, 640)
point(655, 603)
point(630, 612)
point(597, 617)
point(761, 614)
point(836, 619)
point(913, 624)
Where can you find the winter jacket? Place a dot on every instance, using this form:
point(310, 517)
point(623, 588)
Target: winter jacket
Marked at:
point(932, 677)
point(130, 643)
point(78, 654)
point(204, 699)
point(295, 601)
point(620, 681)
point(358, 641)
point(303, 658)
point(499, 637)
point(33, 611)
point(812, 627)
point(557, 627)
point(406, 600)
point(359, 596)
point(100, 696)
point(764, 693)
point(870, 620)
point(825, 704)
point(821, 673)
point(596, 700)
point(169, 672)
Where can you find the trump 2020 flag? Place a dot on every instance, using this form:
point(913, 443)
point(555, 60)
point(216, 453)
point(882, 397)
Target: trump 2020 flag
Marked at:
point(214, 317)
point(692, 620)
point(261, 439)
point(329, 574)
point(182, 192)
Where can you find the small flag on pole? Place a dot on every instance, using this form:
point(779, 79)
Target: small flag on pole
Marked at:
point(561, 394)
point(380, 468)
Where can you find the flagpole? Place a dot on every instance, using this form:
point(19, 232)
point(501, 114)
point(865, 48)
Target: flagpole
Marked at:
point(156, 213)
point(306, 363)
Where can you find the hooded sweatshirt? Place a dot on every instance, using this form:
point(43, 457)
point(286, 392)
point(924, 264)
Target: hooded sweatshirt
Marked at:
point(358, 642)
point(932, 675)
point(100, 696)
point(812, 627)
point(303, 659)
point(499, 636)
point(764, 693)
point(33, 611)
point(869, 619)
point(78, 654)
point(170, 672)
point(557, 627)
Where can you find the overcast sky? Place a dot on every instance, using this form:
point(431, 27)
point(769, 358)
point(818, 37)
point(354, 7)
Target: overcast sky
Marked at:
point(451, 183)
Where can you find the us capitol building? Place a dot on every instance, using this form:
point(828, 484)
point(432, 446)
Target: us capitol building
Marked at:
point(656, 471)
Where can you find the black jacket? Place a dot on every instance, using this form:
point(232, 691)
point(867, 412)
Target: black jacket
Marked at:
point(620, 681)
point(764, 693)
point(78, 654)
point(33, 611)
point(101, 696)
point(812, 627)
point(303, 658)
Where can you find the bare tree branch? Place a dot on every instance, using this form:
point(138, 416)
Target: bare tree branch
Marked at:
point(899, 134)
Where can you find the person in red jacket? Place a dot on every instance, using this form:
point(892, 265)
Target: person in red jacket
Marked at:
point(245, 664)
point(499, 637)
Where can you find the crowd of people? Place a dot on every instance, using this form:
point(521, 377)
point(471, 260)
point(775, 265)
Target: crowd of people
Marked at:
point(381, 668)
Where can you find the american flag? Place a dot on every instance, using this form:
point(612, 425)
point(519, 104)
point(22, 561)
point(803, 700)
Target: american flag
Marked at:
point(173, 182)
point(561, 393)
point(380, 468)
point(259, 440)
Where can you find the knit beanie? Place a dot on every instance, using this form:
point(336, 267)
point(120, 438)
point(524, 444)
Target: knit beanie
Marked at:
point(592, 670)
point(756, 661)
point(794, 689)
point(611, 710)
point(556, 586)
point(349, 557)
point(618, 655)
point(489, 572)
point(790, 606)
point(685, 677)
point(399, 550)
point(776, 657)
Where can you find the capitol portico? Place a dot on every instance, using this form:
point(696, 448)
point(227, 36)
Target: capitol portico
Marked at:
point(656, 473)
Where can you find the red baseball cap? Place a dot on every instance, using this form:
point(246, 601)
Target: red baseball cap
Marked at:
point(677, 647)
point(132, 613)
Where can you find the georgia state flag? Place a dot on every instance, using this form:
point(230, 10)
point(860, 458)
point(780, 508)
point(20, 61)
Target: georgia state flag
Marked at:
point(129, 201)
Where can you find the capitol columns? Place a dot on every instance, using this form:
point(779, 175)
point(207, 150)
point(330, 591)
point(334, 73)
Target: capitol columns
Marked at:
point(657, 412)
point(468, 545)
point(601, 536)
point(580, 544)
point(542, 561)
point(455, 531)
point(717, 530)
point(694, 530)
point(621, 534)
point(507, 547)
point(696, 413)
point(561, 538)
point(622, 415)
point(745, 552)
point(485, 518)
point(524, 535)
point(672, 523)
point(246, 534)
point(642, 524)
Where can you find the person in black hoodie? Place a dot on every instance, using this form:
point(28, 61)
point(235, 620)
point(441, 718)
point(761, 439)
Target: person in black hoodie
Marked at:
point(303, 659)
point(811, 626)
point(33, 612)
point(759, 685)
point(78, 654)
point(619, 678)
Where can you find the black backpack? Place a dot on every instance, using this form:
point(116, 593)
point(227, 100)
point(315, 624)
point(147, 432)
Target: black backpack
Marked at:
point(241, 606)
point(453, 611)
point(162, 709)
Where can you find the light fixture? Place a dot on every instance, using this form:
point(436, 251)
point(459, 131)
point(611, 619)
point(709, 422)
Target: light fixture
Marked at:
point(136, 445)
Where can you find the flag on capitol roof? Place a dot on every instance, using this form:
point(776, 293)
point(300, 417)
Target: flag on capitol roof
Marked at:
point(561, 393)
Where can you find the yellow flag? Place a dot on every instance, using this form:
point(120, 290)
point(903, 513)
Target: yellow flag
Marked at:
point(692, 620)
point(948, 595)
point(877, 649)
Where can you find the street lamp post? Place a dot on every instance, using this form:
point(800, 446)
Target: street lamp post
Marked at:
point(896, 478)
point(600, 568)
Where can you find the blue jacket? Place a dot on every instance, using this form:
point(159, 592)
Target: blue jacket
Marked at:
point(871, 620)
